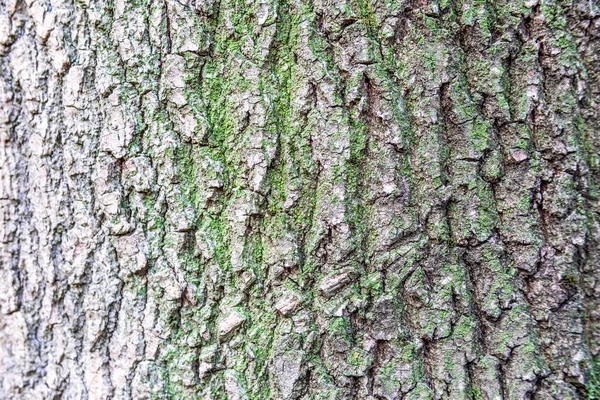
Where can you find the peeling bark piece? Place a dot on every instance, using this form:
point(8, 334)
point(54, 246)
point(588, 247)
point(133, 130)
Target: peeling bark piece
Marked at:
point(289, 369)
point(330, 286)
point(207, 361)
point(287, 304)
point(232, 322)
point(519, 155)
point(234, 387)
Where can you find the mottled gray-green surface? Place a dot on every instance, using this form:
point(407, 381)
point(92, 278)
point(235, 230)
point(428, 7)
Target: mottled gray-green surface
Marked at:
point(299, 199)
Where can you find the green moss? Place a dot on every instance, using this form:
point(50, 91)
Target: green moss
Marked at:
point(479, 134)
point(569, 280)
point(373, 284)
point(524, 203)
point(487, 216)
point(592, 383)
point(468, 16)
point(464, 328)
point(339, 326)
point(475, 393)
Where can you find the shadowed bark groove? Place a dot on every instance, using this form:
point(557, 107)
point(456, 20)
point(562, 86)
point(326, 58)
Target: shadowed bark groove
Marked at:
point(281, 199)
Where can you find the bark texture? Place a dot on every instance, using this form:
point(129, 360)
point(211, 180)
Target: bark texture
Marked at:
point(299, 199)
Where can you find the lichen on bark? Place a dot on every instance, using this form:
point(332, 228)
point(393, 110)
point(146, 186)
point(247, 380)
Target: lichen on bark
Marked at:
point(282, 199)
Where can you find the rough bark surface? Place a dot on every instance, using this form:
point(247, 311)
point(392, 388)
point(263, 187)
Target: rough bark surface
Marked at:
point(286, 199)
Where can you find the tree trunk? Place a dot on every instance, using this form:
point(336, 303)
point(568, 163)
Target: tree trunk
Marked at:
point(346, 199)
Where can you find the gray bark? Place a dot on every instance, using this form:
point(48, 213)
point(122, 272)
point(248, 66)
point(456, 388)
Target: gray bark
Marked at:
point(285, 199)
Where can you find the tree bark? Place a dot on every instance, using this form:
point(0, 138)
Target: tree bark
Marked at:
point(284, 199)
